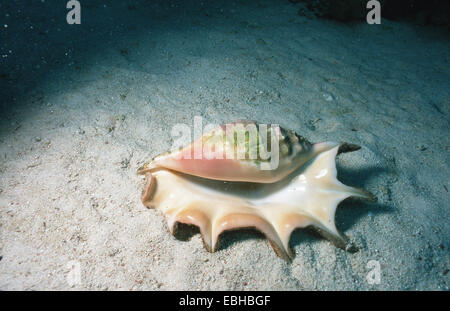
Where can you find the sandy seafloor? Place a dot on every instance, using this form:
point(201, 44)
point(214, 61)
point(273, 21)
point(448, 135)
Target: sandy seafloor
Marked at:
point(84, 106)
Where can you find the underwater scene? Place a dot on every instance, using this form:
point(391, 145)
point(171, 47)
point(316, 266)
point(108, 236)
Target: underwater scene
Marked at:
point(199, 145)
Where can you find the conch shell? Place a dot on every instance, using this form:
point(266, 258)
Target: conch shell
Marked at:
point(302, 191)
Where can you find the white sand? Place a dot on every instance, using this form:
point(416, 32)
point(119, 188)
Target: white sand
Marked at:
point(70, 147)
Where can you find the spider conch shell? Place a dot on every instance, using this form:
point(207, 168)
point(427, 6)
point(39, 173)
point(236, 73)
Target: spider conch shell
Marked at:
point(307, 195)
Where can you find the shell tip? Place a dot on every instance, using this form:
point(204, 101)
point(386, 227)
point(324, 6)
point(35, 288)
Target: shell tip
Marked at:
point(148, 189)
point(347, 147)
